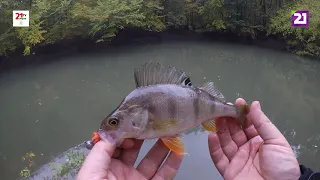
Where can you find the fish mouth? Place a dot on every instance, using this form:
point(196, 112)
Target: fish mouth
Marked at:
point(112, 138)
point(105, 136)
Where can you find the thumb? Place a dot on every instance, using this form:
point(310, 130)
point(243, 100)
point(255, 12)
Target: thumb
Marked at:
point(98, 160)
point(265, 128)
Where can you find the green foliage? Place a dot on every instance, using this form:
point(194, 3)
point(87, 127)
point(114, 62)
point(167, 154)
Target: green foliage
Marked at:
point(213, 21)
point(31, 36)
point(8, 42)
point(301, 40)
point(175, 13)
point(73, 163)
point(53, 21)
point(153, 20)
point(107, 16)
point(24, 173)
point(28, 158)
point(58, 20)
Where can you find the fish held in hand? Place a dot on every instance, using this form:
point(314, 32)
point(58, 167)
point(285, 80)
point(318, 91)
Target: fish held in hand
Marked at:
point(165, 105)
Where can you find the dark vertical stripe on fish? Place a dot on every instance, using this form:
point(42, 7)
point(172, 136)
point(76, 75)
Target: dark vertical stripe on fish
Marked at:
point(212, 103)
point(172, 109)
point(151, 107)
point(196, 103)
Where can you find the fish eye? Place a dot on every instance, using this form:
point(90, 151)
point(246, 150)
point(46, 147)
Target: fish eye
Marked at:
point(113, 122)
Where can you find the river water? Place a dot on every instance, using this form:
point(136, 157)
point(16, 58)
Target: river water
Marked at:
point(51, 107)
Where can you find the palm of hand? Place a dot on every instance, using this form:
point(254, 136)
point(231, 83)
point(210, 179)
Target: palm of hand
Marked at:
point(271, 162)
point(120, 166)
point(117, 171)
point(253, 153)
point(121, 171)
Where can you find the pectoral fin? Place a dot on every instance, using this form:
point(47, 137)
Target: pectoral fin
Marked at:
point(210, 126)
point(175, 144)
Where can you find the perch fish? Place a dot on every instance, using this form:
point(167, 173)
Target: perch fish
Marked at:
point(164, 105)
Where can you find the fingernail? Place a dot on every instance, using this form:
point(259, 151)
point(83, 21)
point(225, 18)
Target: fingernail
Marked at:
point(256, 142)
point(256, 104)
point(257, 139)
point(212, 135)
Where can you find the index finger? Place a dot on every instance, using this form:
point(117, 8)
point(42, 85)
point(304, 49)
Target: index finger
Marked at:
point(98, 160)
point(265, 128)
point(153, 159)
point(130, 155)
point(170, 167)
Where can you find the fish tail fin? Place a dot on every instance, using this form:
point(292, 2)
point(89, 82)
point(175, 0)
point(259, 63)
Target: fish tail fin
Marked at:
point(242, 111)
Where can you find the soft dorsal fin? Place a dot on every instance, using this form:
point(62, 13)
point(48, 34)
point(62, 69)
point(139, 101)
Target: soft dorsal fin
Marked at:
point(152, 74)
point(211, 89)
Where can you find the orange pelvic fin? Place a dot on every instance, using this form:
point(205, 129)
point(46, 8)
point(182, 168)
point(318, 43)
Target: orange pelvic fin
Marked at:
point(175, 144)
point(210, 126)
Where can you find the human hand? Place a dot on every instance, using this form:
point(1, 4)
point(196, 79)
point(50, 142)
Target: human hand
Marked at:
point(257, 151)
point(105, 162)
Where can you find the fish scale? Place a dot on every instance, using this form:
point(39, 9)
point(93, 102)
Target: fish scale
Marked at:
point(182, 108)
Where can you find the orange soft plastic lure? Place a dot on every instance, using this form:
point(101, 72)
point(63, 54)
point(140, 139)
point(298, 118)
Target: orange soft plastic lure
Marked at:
point(96, 138)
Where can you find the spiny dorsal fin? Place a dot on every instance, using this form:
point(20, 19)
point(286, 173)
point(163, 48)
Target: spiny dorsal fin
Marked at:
point(152, 74)
point(209, 88)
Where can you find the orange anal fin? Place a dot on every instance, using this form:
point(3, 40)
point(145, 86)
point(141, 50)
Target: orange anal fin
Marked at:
point(175, 144)
point(210, 126)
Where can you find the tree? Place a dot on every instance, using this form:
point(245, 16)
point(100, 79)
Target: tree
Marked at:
point(303, 41)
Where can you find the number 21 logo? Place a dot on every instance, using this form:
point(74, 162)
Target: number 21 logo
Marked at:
point(300, 18)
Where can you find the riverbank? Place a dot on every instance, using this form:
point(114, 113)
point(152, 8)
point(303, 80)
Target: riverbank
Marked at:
point(137, 37)
point(65, 25)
